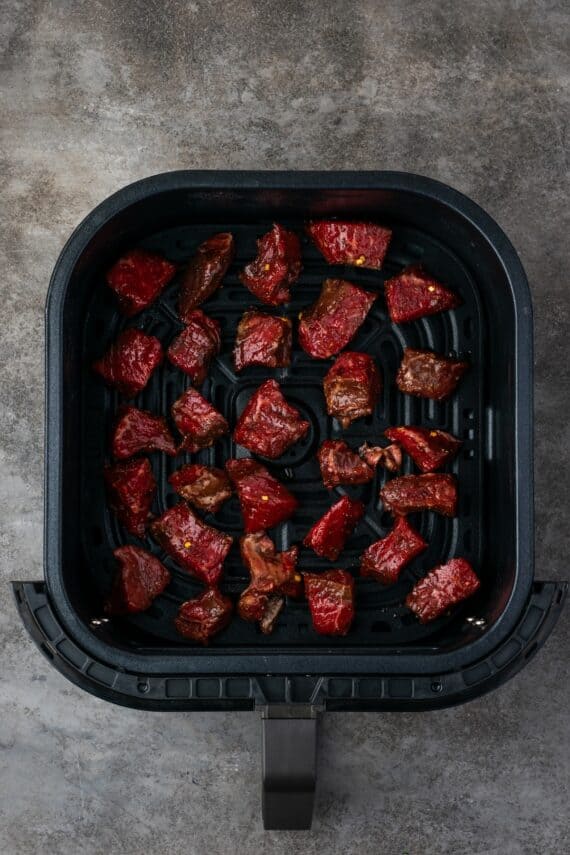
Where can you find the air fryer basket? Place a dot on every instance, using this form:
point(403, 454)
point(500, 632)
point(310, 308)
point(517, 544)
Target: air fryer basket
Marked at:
point(388, 660)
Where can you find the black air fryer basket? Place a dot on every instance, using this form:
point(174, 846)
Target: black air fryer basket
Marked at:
point(388, 661)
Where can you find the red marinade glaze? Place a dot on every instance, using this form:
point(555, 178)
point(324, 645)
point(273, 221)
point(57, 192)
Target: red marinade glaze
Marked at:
point(443, 587)
point(390, 456)
point(264, 501)
point(328, 535)
point(194, 348)
point(428, 374)
point(413, 294)
point(429, 449)
point(358, 244)
point(204, 616)
point(198, 421)
point(139, 580)
point(138, 430)
point(340, 465)
point(129, 362)
point(276, 267)
point(268, 424)
point(138, 278)
point(386, 558)
point(331, 601)
point(205, 272)
point(205, 487)
point(329, 324)
point(130, 490)
point(352, 386)
point(198, 548)
point(272, 576)
point(262, 339)
point(432, 492)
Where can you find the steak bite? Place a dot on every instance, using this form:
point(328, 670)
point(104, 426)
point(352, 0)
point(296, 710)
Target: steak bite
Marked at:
point(198, 421)
point(428, 374)
point(386, 558)
point(138, 278)
point(138, 430)
point(264, 501)
point(194, 348)
point(262, 339)
point(273, 575)
point(198, 548)
point(205, 487)
point(340, 465)
point(139, 580)
point(129, 362)
point(431, 492)
point(329, 534)
point(352, 386)
point(413, 294)
point(429, 449)
point(443, 587)
point(276, 267)
point(358, 244)
point(205, 272)
point(329, 324)
point(331, 601)
point(130, 491)
point(204, 616)
point(268, 424)
point(390, 456)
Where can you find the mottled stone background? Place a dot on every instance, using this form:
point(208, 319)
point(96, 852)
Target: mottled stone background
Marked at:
point(97, 94)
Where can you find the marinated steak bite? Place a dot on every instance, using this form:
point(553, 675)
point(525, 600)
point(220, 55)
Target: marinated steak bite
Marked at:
point(340, 465)
point(273, 575)
point(331, 601)
point(358, 244)
point(431, 492)
point(268, 424)
point(329, 534)
point(205, 272)
point(198, 548)
point(194, 348)
point(130, 491)
point(198, 421)
point(429, 449)
point(139, 580)
point(443, 587)
point(386, 558)
point(352, 387)
point(428, 374)
point(262, 339)
point(413, 294)
point(276, 267)
point(138, 430)
point(129, 362)
point(205, 487)
point(390, 456)
point(204, 616)
point(138, 278)
point(264, 501)
point(329, 324)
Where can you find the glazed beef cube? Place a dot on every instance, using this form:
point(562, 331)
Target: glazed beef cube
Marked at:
point(197, 547)
point(198, 421)
point(431, 492)
point(262, 340)
point(138, 430)
point(272, 576)
point(428, 374)
point(130, 491)
point(329, 324)
point(205, 487)
point(386, 558)
point(204, 616)
point(264, 501)
point(276, 267)
point(443, 587)
point(358, 244)
point(352, 387)
point(329, 534)
point(140, 579)
point(268, 424)
point(331, 601)
point(390, 457)
point(340, 465)
point(195, 347)
point(138, 278)
point(413, 294)
point(128, 364)
point(257, 607)
point(205, 272)
point(429, 449)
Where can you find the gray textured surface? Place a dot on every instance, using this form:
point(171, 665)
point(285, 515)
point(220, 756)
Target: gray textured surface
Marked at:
point(97, 94)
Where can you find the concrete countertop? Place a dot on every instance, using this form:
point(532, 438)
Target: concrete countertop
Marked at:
point(98, 94)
